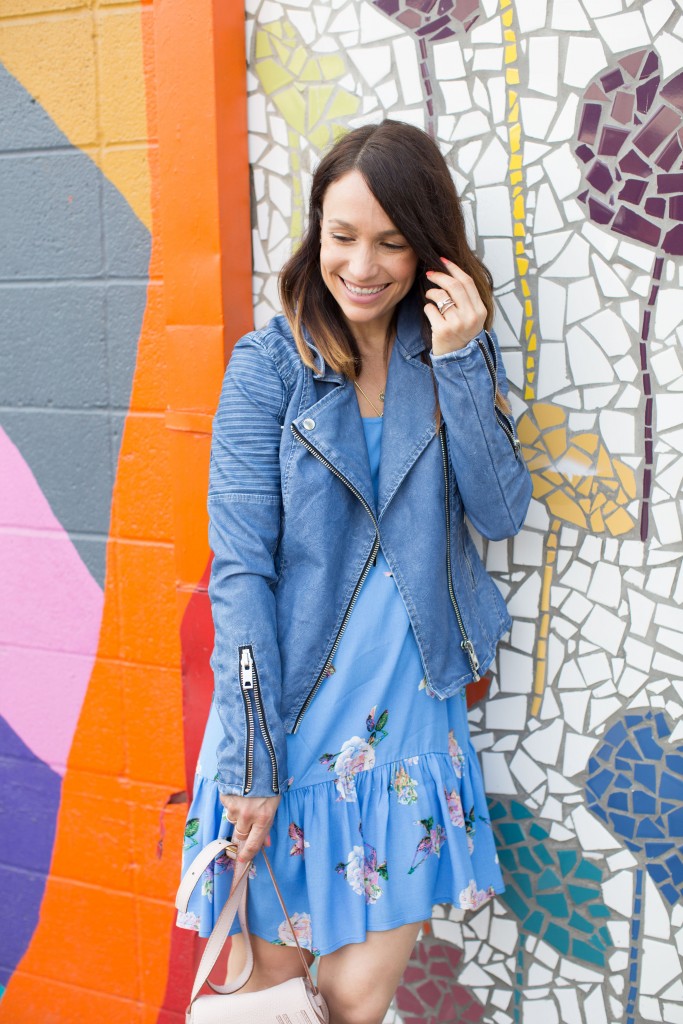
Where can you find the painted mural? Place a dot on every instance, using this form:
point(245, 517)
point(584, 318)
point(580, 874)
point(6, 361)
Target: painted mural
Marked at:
point(563, 125)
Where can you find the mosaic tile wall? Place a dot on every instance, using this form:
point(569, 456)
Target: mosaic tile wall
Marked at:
point(563, 125)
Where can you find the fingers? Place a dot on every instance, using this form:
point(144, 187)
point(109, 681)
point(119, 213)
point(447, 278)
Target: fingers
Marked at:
point(251, 818)
point(455, 310)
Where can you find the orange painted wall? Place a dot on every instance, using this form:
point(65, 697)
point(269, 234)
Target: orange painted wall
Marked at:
point(105, 942)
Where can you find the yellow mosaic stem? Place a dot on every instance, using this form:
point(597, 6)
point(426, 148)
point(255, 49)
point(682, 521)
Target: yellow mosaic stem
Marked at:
point(516, 176)
point(296, 223)
point(541, 669)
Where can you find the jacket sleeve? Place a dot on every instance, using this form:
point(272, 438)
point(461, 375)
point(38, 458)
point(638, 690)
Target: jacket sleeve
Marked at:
point(244, 524)
point(485, 452)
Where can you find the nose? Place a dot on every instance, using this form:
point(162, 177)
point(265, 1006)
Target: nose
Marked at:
point(362, 263)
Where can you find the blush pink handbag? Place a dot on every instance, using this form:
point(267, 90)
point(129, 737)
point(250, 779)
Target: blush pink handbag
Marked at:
point(297, 1001)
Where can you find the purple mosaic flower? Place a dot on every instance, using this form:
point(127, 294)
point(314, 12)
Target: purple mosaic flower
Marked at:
point(429, 992)
point(630, 143)
point(635, 786)
point(430, 21)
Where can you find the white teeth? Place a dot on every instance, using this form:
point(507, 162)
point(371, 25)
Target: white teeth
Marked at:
point(364, 291)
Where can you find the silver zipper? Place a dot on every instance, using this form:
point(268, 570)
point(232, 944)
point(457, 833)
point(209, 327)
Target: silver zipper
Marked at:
point(466, 644)
point(371, 560)
point(246, 686)
point(503, 421)
point(251, 692)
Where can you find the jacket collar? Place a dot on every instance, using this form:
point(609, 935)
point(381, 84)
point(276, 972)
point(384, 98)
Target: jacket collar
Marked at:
point(409, 421)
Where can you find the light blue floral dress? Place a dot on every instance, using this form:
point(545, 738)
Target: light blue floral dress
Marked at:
point(384, 812)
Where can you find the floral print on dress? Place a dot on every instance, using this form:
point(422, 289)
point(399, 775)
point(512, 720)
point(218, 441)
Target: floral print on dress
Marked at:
point(207, 884)
point(424, 685)
point(431, 842)
point(363, 873)
point(455, 811)
point(472, 898)
point(297, 834)
point(457, 756)
point(225, 863)
point(191, 829)
point(186, 919)
point(404, 786)
point(356, 755)
point(301, 923)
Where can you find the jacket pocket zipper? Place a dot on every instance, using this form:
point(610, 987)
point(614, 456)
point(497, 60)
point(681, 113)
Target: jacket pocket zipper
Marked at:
point(503, 421)
point(251, 694)
point(466, 644)
point(371, 560)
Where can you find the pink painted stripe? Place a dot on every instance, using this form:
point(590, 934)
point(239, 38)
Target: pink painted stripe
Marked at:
point(50, 616)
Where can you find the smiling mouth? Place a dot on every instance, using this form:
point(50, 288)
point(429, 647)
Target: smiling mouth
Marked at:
point(355, 290)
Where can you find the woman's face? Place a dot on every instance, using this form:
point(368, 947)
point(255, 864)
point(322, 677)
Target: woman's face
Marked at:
point(365, 261)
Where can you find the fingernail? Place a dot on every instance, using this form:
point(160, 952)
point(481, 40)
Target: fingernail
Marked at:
point(443, 259)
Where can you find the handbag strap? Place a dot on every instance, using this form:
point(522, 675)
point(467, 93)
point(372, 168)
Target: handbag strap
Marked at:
point(236, 903)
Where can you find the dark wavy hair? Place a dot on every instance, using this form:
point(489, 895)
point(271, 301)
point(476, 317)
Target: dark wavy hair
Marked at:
point(409, 178)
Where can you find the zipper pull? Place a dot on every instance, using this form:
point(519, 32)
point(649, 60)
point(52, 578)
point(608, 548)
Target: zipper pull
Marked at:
point(468, 647)
point(247, 669)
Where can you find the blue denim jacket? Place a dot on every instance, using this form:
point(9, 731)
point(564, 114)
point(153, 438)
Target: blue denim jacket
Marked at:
point(294, 526)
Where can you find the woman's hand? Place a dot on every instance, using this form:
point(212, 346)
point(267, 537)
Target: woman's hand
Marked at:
point(252, 817)
point(463, 312)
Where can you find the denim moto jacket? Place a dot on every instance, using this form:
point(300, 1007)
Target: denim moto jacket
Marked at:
point(294, 527)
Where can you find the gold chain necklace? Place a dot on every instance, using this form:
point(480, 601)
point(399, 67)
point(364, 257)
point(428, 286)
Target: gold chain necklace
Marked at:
point(368, 400)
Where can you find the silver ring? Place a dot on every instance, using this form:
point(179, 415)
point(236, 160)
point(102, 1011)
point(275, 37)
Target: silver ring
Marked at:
point(245, 835)
point(445, 304)
point(230, 819)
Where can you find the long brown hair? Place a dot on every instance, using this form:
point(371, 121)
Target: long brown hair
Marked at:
point(409, 178)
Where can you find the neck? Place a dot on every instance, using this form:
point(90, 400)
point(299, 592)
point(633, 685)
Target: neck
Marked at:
point(375, 345)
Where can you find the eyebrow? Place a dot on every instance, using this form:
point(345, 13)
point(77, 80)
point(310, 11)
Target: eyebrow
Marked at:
point(351, 227)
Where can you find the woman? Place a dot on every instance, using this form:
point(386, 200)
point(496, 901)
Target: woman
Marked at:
point(351, 608)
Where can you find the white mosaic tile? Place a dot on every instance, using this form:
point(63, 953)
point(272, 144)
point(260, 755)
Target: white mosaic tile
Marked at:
point(585, 57)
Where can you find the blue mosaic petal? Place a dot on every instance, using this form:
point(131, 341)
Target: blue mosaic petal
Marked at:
point(623, 826)
point(556, 904)
point(663, 728)
point(671, 894)
point(580, 894)
point(644, 803)
point(587, 871)
point(616, 733)
point(542, 854)
point(620, 801)
point(599, 783)
point(582, 951)
point(675, 866)
point(675, 821)
point(648, 829)
point(567, 859)
point(670, 787)
point(580, 923)
point(557, 937)
point(645, 774)
point(650, 748)
point(548, 880)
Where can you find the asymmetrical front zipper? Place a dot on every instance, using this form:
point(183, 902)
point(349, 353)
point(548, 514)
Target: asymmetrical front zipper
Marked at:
point(251, 694)
point(370, 561)
point(466, 644)
point(503, 421)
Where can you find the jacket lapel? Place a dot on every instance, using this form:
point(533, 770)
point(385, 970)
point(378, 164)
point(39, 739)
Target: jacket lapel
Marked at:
point(334, 428)
point(409, 408)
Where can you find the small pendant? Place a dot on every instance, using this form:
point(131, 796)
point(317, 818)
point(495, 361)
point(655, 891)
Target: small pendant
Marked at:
point(381, 396)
